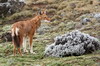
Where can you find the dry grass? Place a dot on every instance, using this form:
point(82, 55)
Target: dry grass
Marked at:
point(51, 11)
point(63, 5)
point(20, 15)
point(53, 6)
point(35, 8)
point(56, 17)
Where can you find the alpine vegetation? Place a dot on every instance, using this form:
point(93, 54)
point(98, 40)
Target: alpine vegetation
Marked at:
point(74, 43)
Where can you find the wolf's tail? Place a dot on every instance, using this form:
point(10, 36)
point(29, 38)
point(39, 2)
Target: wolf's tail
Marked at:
point(15, 37)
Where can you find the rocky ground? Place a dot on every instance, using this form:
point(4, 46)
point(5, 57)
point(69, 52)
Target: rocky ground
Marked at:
point(66, 15)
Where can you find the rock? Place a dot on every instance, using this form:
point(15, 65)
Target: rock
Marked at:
point(74, 43)
point(85, 21)
point(9, 7)
point(6, 37)
point(2, 1)
point(97, 15)
point(4, 8)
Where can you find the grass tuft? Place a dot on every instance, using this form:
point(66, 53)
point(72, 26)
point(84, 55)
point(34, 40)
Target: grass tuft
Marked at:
point(20, 15)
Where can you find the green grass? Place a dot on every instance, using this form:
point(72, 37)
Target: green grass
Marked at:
point(38, 59)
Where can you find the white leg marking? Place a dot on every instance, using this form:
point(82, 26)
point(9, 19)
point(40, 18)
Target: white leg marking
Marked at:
point(24, 44)
point(17, 30)
point(12, 32)
point(31, 49)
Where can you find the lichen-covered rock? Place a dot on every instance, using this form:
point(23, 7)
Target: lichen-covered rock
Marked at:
point(73, 43)
point(8, 7)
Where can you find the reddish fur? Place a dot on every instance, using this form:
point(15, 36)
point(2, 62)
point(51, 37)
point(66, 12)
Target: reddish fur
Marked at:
point(27, 29)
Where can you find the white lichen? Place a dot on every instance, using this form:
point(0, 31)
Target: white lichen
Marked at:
point(73, 43)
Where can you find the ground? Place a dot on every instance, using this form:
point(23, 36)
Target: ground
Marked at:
point(38, 59)
point(66, 16)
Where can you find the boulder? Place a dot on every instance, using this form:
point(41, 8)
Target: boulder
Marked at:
point(74, 43)
point(8, 7)
point(6, 37)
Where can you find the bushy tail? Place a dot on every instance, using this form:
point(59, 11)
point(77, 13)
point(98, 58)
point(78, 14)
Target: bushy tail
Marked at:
point(16, 37)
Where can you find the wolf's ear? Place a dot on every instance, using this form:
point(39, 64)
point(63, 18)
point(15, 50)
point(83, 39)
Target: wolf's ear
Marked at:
point(44, 11)
point(40, 13)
